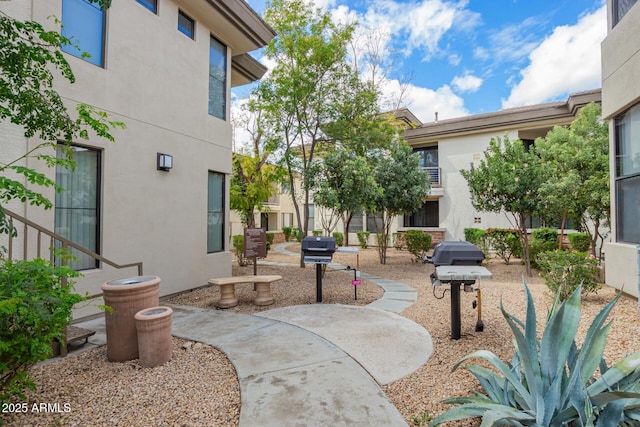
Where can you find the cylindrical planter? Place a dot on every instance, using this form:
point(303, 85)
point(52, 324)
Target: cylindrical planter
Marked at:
point(126, 297)
point(154, 335)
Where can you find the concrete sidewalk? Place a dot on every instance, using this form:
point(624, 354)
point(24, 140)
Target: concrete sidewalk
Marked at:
point(291, 367)
point(312, 365)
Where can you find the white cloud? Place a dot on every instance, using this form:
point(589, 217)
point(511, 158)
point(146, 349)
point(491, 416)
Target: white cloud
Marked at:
point(566, 61)
point(510, 43)
point(424, 102)
point(467, 83)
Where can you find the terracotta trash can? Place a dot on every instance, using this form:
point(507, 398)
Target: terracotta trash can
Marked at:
point(154, 336)
point(127, 297)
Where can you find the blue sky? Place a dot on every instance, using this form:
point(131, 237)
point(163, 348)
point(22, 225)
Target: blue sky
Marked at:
point(475, 56)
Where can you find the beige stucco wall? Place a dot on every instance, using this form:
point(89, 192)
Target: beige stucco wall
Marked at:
point(155, 80)
point(620, 91)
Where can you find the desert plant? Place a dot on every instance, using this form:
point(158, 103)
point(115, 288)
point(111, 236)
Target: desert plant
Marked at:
point(580, 242)
point(564, 271)
point(363, 238)
point(552, 382)
point(35, 309)
point(418, 243)
point(504, 242)
point(339, 238)
point(317, 232)
point(287, 233)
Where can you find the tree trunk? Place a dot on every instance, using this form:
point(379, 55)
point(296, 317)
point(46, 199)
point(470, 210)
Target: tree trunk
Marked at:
point(564, 219)
point(522, 224)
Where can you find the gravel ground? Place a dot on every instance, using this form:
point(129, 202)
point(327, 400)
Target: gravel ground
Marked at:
point(198, 386)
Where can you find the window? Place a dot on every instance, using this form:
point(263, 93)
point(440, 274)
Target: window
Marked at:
point(356, 223)
point(287, 220)
point(152, 5)
point(627, 178)
point(186, 25)
point(77, 211)
point(215, 213)
point(427, 216)
point(84, 23)
point(620, 8)
point(217, 79)
point(374, 223)
point(311, 222)
point(429, 161)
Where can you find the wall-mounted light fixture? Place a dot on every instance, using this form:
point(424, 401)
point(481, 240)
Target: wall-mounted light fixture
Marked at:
point(165, 162)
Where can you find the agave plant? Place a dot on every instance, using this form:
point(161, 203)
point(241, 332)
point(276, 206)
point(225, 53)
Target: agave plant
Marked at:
point(550, 382)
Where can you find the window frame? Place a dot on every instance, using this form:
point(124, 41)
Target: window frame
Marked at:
point(220, 83)
point(77, 51)
point(407, 222)
point(150, 5)
point(78, 264)
point(181, 28)
point(623, 178)
point(220, 245)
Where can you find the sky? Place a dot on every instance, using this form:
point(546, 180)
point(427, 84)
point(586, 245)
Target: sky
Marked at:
point(462, 57)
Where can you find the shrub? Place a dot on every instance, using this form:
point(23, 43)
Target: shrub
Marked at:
point(363, 238)
point(339, 238)
point(398, 241)
point(295, 232)
point(317, 232)
point(552, 382)
point(35, 309)
point(478, 237)
point(238, 249)
point(270, 236)
point(287, 233)
point(564, 271)
point(580, 242)
point(418, 243)
point(544, 234)
point(504, 242)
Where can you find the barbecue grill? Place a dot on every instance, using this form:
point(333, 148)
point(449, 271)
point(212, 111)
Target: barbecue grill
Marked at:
point(318, 250)
point(457, 264)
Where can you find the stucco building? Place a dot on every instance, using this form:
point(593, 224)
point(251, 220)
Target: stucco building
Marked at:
point(621, 106)
point(165, 69)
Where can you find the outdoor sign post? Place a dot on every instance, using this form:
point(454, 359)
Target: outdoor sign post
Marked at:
point(255, 245)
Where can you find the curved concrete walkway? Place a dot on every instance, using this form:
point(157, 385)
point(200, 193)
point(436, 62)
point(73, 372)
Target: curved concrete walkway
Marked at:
point(313, 365)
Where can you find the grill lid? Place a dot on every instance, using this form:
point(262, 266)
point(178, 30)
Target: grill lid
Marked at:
point(456, 253)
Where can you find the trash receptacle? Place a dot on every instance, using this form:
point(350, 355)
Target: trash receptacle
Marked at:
point(126, 297)
point(154, 335)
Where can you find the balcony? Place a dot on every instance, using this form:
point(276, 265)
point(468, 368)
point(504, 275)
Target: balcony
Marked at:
point(435, 175)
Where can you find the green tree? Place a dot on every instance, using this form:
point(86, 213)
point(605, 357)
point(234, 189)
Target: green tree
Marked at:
point(311, 93)
point(576, 163)
point(344, 183)
point(404, 187)
point(507, 180)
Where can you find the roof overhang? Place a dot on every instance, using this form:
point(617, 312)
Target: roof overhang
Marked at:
point(548, 114)
point(245, 69)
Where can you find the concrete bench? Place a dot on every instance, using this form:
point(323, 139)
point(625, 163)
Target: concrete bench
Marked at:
point(228, 290)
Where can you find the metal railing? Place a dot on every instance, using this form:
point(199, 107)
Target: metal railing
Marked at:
point(434, 175)
point(43, 236)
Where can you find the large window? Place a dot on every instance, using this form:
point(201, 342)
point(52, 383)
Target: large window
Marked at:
point(311, 220)
point(356, 224)
point(217, 79)
point(427, 216)
point(77, 210)
point(374, 223)
point(215, 213)
point(627, 188)
point(84, 23)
